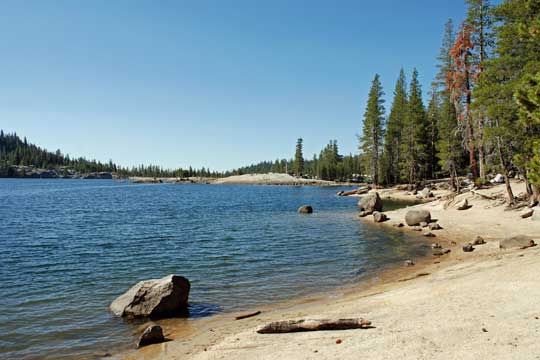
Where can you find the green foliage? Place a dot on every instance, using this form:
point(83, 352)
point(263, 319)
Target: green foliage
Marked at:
point(372, 136)
point(15, 151)
point(392, 141)
point(414, 144)
point(299, 159)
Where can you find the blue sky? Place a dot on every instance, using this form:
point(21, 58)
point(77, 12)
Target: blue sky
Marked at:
point(218, 84)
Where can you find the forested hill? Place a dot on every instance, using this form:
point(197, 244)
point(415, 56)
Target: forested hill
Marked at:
point(19, 158)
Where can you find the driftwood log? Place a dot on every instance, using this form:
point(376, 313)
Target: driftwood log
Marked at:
point(245, 316)
point(313, 325)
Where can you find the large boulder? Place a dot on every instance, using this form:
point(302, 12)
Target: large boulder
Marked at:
point(415, 217)
point(517, 242)
point(370, 203)
point(154, 298)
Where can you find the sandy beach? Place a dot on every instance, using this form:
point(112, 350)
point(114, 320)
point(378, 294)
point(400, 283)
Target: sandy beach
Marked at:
point(480, 304)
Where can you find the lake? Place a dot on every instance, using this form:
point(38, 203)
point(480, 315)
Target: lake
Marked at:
point(70, 247)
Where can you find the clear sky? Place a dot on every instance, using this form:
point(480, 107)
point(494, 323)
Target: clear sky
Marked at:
point(218, 84)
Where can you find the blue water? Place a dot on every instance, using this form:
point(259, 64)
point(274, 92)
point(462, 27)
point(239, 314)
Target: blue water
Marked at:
point(69, 247)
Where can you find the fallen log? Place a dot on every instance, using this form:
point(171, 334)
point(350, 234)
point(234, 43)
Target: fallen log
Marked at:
point(348, 193)
point(313, 325)
point(245, 316)
point(484, 195)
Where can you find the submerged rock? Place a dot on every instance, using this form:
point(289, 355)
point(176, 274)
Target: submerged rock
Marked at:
point(157, 297)
point(517, 242)
point(370, 203)
point(415, 217)
point(306, 209)
point(151, 335)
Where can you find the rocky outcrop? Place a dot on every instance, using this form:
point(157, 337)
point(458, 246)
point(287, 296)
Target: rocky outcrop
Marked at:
point(415, 217)
point(306, 209)
point(517, 242)
point(153, 334)
point(154, 298)
point(370, 203)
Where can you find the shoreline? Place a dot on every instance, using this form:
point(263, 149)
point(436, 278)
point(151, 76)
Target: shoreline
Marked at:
point(472, 277)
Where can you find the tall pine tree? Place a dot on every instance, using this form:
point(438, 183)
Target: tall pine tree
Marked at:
point(414, 144)
point(373, 130)
point(392, 141)
point(299, 159)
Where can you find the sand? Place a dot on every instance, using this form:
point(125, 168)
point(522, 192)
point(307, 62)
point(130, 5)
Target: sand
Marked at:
point(483, 304)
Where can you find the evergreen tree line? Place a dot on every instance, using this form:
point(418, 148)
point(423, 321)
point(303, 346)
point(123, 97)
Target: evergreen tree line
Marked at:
point(329, 164)
point(15, 151)
point(483, 113)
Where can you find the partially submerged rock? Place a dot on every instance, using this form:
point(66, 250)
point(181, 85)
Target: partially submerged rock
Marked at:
point(153, 334)
point(409, 263)
point(436, 246)
point(370, 203)
point(429, 234)
point(398, 225)
point(424, 224)
point(154, 298)
point(306, 209)
point(416, 216)
point(379, 217)
point(517, 242)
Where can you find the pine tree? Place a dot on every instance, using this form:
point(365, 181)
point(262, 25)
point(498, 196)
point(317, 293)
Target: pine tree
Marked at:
point(414, 144)
point(299, 159)
point(448, 145)
point(515, 55)
point(373, 130)
point(392, 141)
point(480, 19)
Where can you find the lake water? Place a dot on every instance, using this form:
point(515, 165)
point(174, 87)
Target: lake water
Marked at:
point(69, 247)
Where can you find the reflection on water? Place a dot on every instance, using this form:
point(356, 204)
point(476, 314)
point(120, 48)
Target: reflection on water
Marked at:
point(69, 247)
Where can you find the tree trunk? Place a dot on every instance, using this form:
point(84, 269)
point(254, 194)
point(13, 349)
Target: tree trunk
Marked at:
point(481, 154)
point(509, 191)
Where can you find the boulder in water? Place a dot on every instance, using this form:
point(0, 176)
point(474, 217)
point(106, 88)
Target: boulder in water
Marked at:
point(415, 217)
point(157, 298)
point(306, 209)
point(370, 203)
